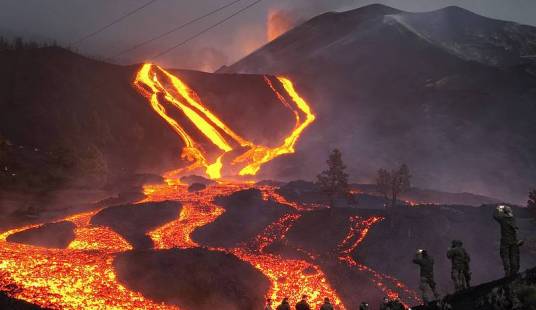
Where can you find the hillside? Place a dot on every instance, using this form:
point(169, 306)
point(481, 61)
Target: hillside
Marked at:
point(67, 121)
point(448, 92)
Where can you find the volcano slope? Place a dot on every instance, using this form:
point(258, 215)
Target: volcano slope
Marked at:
point(67, 121)
point(448, 92)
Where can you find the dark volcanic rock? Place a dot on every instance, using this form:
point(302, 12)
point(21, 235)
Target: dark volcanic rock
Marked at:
point(192, 179)
point(52, 235)
point(517, 292)
point(16, 304)
point(193, 278)
point(270, 183)
point(247, 214)
point(303, 191)
point(134, 221)
point(195, 187)
point(309, 192)
point(321, 231)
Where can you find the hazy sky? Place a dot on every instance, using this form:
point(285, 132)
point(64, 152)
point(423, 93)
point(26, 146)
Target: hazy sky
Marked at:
point(68, 20)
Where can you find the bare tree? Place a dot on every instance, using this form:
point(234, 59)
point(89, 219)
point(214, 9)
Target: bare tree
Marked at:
point(531, 203)
point(334, 180)
point(393, 183)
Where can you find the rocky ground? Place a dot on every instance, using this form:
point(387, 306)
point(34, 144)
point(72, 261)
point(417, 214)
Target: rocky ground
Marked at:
point(193, 278)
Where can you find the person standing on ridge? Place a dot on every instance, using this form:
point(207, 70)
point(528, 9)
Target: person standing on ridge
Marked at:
point(284, 305)
point(509, 249)
point(326, 305)
point(302, 304)
point(426, 264)
point(460, 274)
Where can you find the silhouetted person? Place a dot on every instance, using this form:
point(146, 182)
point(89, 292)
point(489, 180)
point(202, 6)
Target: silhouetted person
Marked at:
point(268, 305)
point(426, 264)
point(509, 250)
point(284, 305)
point(385, 304)
point(363, 306)
point(396, 304)
point(326, 305)
point(302, 304)
point(460, 273)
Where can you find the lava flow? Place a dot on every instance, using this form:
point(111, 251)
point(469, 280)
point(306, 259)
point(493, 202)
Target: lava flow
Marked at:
point(290, 277)
point(80, 277)
point(162, 89)
point(390, 286)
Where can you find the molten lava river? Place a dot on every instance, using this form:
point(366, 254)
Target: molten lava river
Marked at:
point(82, 275)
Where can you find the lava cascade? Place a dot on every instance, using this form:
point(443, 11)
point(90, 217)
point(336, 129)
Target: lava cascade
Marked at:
point(164, 89)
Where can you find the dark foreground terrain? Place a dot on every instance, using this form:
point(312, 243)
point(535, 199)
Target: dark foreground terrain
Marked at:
point(202, 278)
point(193, 278)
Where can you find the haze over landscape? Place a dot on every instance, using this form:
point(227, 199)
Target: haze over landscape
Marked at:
point(198, 179)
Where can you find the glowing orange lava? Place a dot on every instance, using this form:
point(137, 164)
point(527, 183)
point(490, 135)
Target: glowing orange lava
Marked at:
point(390, 286)
point(80, 277)
point(163, 89)
point(290, 277)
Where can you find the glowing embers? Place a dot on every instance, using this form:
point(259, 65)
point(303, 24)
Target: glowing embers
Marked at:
point(164, 89)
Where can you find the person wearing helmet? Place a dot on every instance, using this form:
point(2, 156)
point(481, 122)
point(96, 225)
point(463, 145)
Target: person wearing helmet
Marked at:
point(426, 264)
point(326, 305)
point(460, 274)
point(509, 249)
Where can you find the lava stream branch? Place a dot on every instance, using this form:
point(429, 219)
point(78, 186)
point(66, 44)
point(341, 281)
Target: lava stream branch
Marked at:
point(163, 89)
point(79, 277)
point(389, 285)
point(289, 277)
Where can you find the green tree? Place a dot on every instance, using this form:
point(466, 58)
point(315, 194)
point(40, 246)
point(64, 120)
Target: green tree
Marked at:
point(393, 183)
point(334, 180)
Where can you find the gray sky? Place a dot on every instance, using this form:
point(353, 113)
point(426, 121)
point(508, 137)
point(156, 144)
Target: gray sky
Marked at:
point(69, 20)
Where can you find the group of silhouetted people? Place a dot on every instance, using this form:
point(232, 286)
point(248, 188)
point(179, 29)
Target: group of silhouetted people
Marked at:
point(301, 305)
point(460, 271)
point(460, 259)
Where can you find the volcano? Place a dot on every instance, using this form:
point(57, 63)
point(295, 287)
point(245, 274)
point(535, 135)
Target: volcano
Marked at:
point(385, 86)
point(448, 92)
